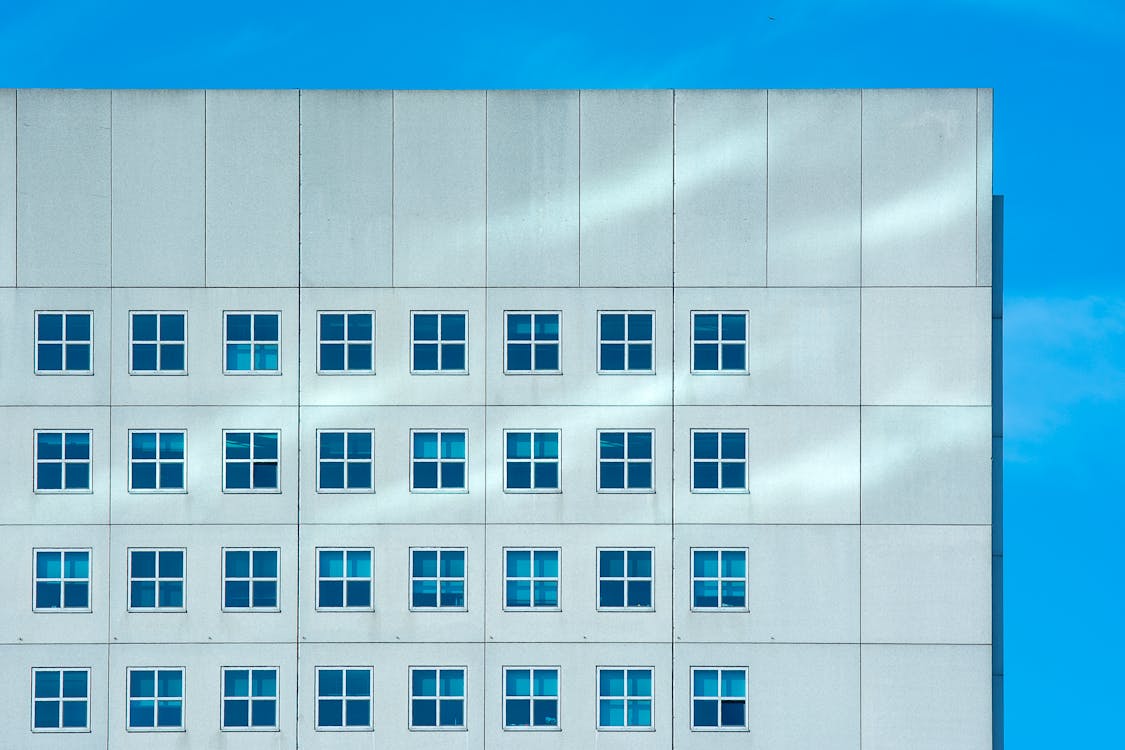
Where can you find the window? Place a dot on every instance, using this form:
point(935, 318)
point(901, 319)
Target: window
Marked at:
point(624, 461)
point(250, 579)
point(250, 461)
point(345, 463)
point(625, 579)
point(156, 579)
point(531, 342)
point(62, 579)
point(625, 698)
point(531, 579)
point(437, 579)
point(63, 341)
point(719, 341)
point(343, 698)
point(156, 461)
point(625, 342)
point(347, 343)
point(62, 461)
point(531, 697)
point(60, 700)
point(158, 343)
point(253, 342)
point(343, 578)
point(437, 462)
point(156, 699)
point(438, 341)
point(531, 461)
point(718, 698)
point(250, 698)
point(437, 697)
point(718, 460)
point(718, 579)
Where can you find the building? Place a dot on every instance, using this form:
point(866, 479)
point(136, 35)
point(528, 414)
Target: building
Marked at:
point(554, 419)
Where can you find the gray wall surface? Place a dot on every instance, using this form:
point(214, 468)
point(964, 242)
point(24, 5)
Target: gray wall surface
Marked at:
point(854, 227)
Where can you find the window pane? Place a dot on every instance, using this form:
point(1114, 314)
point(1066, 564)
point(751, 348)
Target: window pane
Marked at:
point(142, 713)
point(546, 476)
point(77, 445)
point(238, 564)
point(331, 563)
point(640, 356)
point(78, 356)
point(265, 328)
point(452, 713)
point(519, 327)
point(519, 445)
point(359, 356)
point(77, 476)
point(453, 476)
point(453, 327)
point(517, 713)
point(546, 593)
point(519, 563)
point(640, 563)
point(546, 327)
point(518, 357)
point(519, 476)
point(518, 593)
point(265, 445)
point(78, 327)
point(705, 683)
point(706, 594)
point(359, 445)
point(359, 594)
point(546, 356)
point(517, 682)
point(705, 445)
point(453, 682)
point(359, 475)
point(613, 356)
point(265, 356)
point(238, 445)
point(640, 476)
point(142, 683)
point(640, 327)
point(48, 445)
point(424, 713)
point(265, 594)
point(611, 682)
point(734, 327)
point(48, 565)
point(734, 713)
point(169, 713)
point(424, 682)
point(236, 683)
point(264, 682)
point(546, 713)
point(143, 476)
point(426, 327)
point(424, 593)
point(331, 327)
point(734, 594)
point(640, 682)
point(265, 563)
point(236, 713)
point(143, 564)
point(425, 356)
point(359, 564)
point(172, 476)
point(705, 713)
point(171, 564)
point(706, 356)
point(706, 327)
point(640, 594)
point(238, 327)
point(734, 476)
point(613, 327)
point(49, 356)
point(453, 356)
point(358, 713)
point(734, 564)
point(330, 682)
point(734, 356)
point(453, 445)
point(331, 594)
point(50, 327)
point(171, 445)
point(613, 563)
point(331, 357)
point(236, 594)
point(611, 713)
point(425, 475)
point(640, 713)
point(425, 445)
point(612, 475)
point(546, 564)
point(172, 327)
point(330, 713)
point(611, 444)
point(734, 444)
point(144, 328)
point(47, 684)
point(546, 682)
point(74, 714)
point(332, 445)
point(706, 564)
point(611, 593)
point(144, 356)
point(705, 475)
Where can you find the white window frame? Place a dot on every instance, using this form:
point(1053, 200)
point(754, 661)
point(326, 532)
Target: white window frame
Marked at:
point(745, 699)
point(439, 698)
point(532, 342)
point(440, 431)
point(370, 607)
point(156, 580)
point(252, 490)
point(504, 698)
point(370, 726)
point(532, 607)
point(626, 578)
point(720, 341)
point(651, 698)
point(129, 697)
point(64, 431)
point(60, 700)
point(439, 579)
point(250, 698)
point(251, 579)
point(63, 342)
point(346, 461)
point(158, 342)
point(346, 371)
point(158, 431)
point(744, 490)
point(720, 579)
point(252, 342)
point(626, 342)
point(440, 341)
point(533, 431)
point(651, 461)
point(62, 580)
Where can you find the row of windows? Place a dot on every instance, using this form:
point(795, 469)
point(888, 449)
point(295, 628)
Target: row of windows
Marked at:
point(345, 460)
point(251, 579)
point(346, 342)
point(344, 694)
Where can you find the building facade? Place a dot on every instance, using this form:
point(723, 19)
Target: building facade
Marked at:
point(506, 419)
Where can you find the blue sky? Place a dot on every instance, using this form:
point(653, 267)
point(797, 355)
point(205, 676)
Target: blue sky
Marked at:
point(1058, 69)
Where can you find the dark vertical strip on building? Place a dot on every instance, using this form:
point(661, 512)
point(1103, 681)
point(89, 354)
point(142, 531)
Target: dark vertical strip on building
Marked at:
point(998, 472)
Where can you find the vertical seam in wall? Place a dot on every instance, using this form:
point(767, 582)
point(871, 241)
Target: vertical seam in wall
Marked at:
point(976, 189)
point(109, 494)
point(16, 189)
point(579, 280)
point(860, 419)
point(672, 468)
point(391, 281)
point(205, 188)
point(766, 222)
point(297, 585)
point(484, 547)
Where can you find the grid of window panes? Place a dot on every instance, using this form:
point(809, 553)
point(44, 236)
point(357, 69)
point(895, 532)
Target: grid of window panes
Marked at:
point(718, 698)
point(625, 341)
point(718, 460)
point(718, 579)
point(625, 460)
point(437, 578)
point(250, 579)
point(532, 341)
point(156, 461)
point(156, 699)
point(249, 698)
point(156, 579)
point(253, 342)
point(438, 342)
point(438, 460)
point(531, 579)
point(63, 343)
point(62, 579)
point(531, 461)
point(531, 698)
point(62, 461)
point(343, 698)
point(625, 579)
point(437, 698)
point(60, 700)
point(158, 343)
point(250, 461)
point(625, 698)
point(719, 342)
point(344, 579)
point(345, 463)
point(346, 342)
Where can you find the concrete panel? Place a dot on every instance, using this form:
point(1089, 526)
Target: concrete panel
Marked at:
point(926, 697)
point(814, 188)
point(252, 188)
point(927, 347)
point(927, 465)
point(392, 501)
point(63, 197)
point(803, 465)
point(439, 188)
point(802, 584)
point(626, 173)
point(16, 694)
point(786, 685)
point(533, 188)
point(915, 577)
point(720, 185)
point(390, 619)
point(203, 619)
point(19, 385)
point(803, 348)
point(158, 188)
point(204, 501)
point(202, 665)
point(919, 187)
point(346, 232)
point(22, 505)
point(984, 187)
point(393, 382)
point(21, 624)
point(7, 187)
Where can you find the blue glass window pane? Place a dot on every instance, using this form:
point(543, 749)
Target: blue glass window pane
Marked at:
point(359, 357)
point(546, 564)
point(358, 713)
point(238, 564)
point(706, 327)
point(640, 563)
point(47, 684)
point(74, 684)
point(236, 594)
point(144, 356)
point(519, 357)
point(359, 445)
point(612, 475)
point(425, 475)
point(705, 683)
point(519, 328)
point(611, 713)
point(50, 327)
point(236, 713)
point(359, 594)
point(48, 595)
point(265, 476)
point(453, 476)
point(359, 475)
point(169, 683)
point(640, 714)
point(611, 682)
point(332, 327)
point(77, 476)
point(453, 356)
point(49, 477)
point(611, 445)
point(171, 594)
point(330, 713)
point(706, 356)
point(734, 327)
point(172, 476)
point(171, 445)
point(77, 445)
point(76, 595)
point(265, 563)
point(640, 445)
point(705, 475)
point(425, 593)
point(453, 445)
point(425, 445)
point(358, 682)
point(613, 327)
point(640, 594)
point(330, 682)
point(640, 356)
point(734, 476)
point(734, 444)
point(611, 593)
point(236, 683)
point(78, 327)
point(546, 593)
point(546, 356)
point(706, 593)
point(424, 682)
point(452, 713)
point(640, 682)
point(453, 563)
point(546, 713)
point(74, 714)
point(331, 475)
point(706, 564)
point(169, 713)
point(734, 564)
point(517, 713)
point(517, 682)
point(640, 327)
point(734, 356)
point(519, 563)
point(144, 476)
point(265, 594)
point(359, 564)
point(265, 445)
point(238, 476)
point(613, 563)
point(237, 445)
point(172, 327)
point(49, 357)
point(734, 683)
point(78, 356)
point(426, 563)
point(49, 445)
point(518, 593)
point(171, 564)
point(705, 713)
point(546, 445)
point(144, 328)
point(452, 682)
point(263, 682)
point(331, 357)
point(142, 594)
point(331, 593)
point(519, 445)
point(142, 683)
point(238, 328)
point(76, 564)
point(640, 476)
point(546, 682)
point(613, 356)
point(734, 594)
point(705, 444)
point(359, 327)
point(332, 445)
point(265, 356)
point(453, 327)
point(519, 476)
point(733, 713)
point(546, 327)
point(142, 713)
point(425, 327)
point(238, 357)
point(332, 563)
point(172, 357)
point(143, 564)
point(424, 713)
point(265, 328)
point(48, 565)
point(425, 356)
